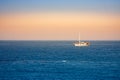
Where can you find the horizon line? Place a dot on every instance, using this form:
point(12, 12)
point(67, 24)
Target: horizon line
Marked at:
point(57, 40)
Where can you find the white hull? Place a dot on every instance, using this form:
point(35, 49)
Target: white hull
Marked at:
point(81, 44)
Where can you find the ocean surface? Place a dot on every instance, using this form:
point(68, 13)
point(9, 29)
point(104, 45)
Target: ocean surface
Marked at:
point(59, 60)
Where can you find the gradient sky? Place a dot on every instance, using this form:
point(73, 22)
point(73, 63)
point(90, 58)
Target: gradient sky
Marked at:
point(59, 19)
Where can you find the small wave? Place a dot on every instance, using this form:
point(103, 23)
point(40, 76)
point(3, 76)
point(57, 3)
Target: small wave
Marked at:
point(64, 61)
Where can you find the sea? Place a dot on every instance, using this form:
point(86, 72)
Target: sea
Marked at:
point(59, 60)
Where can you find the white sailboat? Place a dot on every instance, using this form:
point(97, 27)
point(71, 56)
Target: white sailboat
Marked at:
point(80, 43)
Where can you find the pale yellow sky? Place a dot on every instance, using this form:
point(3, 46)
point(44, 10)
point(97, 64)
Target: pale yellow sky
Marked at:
point(60, 26)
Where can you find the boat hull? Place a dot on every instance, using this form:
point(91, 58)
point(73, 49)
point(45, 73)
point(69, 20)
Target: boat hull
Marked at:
point(81, 44)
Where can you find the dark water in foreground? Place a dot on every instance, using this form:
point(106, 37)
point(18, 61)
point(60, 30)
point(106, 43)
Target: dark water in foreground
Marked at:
point(59, 60)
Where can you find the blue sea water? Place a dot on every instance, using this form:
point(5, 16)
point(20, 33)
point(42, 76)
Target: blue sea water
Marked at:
point(59, 60)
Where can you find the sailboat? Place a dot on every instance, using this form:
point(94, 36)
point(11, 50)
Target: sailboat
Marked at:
point(81, 43)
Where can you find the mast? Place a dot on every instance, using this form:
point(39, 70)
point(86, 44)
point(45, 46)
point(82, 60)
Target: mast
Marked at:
point(79, 37)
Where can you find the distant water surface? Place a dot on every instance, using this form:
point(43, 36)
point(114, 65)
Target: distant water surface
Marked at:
point(59, 60)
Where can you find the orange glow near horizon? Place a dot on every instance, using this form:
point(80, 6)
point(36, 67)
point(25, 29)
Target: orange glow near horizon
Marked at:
point(59, 26)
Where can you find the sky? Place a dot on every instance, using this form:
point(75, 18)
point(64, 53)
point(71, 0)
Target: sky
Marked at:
point(59, 19)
